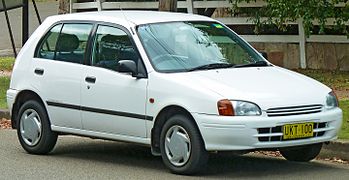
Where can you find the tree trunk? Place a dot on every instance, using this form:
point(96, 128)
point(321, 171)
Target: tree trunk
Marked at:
point(63, 7)
point(168, 5)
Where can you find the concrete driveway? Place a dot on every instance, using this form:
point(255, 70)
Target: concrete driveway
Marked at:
point(45, 8)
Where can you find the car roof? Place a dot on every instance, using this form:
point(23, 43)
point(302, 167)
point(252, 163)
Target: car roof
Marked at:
point(135, 17)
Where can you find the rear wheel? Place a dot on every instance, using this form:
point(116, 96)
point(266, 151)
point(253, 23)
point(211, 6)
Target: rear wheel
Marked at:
point(181, 145)
point(33, 129)
point(302, 153)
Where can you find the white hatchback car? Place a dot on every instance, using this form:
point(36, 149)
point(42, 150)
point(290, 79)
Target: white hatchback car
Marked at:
point(183, 84)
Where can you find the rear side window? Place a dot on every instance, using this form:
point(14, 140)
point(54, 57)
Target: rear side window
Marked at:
point(48, 46)
point(67, 43)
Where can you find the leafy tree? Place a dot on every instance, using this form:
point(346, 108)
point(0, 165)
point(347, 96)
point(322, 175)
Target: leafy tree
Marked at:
point(63, 7)
point(168, 5)
point(279, 12)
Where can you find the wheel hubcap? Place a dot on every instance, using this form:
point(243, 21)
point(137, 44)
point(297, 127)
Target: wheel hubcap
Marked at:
point(30, 127)
point(177, 145)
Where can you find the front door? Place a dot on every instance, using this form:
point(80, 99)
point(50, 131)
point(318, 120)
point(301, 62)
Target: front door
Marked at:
point(113, 102)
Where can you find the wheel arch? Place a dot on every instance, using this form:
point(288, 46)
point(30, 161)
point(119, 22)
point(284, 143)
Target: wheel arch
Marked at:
point(160, 120)
point(21, 98)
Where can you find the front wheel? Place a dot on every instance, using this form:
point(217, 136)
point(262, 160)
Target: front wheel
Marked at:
point(33, 128)
point(181, 145)
point(302, 153)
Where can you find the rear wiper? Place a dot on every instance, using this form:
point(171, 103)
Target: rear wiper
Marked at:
point(254, 64)
point(212, 66)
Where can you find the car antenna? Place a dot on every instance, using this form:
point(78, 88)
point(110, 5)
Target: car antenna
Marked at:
point(128, 22)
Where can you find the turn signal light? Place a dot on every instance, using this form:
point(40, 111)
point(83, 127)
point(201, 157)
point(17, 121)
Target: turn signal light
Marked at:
point(225, 108)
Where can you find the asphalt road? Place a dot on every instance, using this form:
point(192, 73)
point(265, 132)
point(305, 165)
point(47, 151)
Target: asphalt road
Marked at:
point(85, 158)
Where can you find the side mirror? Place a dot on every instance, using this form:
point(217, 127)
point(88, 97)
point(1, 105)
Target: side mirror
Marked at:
point(264, 54)
point(128, 66)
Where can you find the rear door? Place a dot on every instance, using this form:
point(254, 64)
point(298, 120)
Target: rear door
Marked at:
point(58, 69)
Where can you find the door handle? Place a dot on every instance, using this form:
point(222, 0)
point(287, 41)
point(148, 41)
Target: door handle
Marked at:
point(90, 79)
point(39, 71)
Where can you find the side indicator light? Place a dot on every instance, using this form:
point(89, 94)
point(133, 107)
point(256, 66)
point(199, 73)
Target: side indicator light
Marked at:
point(225, 108)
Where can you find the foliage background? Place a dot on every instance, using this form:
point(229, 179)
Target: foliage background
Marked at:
point(279, 12)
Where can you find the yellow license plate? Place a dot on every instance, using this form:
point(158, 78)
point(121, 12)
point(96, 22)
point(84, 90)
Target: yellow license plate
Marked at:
point(296, 131)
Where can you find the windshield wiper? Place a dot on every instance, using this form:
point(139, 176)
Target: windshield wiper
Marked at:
point(254, 64)
point(212, 66)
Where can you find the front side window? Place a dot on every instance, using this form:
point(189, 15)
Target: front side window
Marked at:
point(188, 46)
point(111, 45)
point(67, 43)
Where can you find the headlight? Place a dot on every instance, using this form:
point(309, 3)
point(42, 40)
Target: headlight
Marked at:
point(243, 108)
point(331, 100)
point(238, 108)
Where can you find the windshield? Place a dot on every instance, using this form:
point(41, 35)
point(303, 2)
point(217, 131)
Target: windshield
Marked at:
point(189, 46)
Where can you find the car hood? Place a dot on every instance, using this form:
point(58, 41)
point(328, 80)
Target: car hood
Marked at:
point(266, 86)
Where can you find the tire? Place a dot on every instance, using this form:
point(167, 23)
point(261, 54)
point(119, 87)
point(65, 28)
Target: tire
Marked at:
point(302, 153)
point(186, 149)
point(34, 130)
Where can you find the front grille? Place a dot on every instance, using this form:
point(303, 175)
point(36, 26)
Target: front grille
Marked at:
point(294, 110)
point(272, 134)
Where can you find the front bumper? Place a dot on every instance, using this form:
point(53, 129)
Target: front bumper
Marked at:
point(10, 97)
point(223, 133)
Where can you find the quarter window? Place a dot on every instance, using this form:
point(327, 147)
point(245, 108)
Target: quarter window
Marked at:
point(110, 46)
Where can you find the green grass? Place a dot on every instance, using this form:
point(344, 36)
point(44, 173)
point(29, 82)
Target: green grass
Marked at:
point(344, 132)
point(4, 84)
point(337, 80)
point(6, 63)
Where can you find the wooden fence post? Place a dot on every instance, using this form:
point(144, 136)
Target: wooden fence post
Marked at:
point(302, 44)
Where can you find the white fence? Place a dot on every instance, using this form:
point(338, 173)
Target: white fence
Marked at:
point(192, 7)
